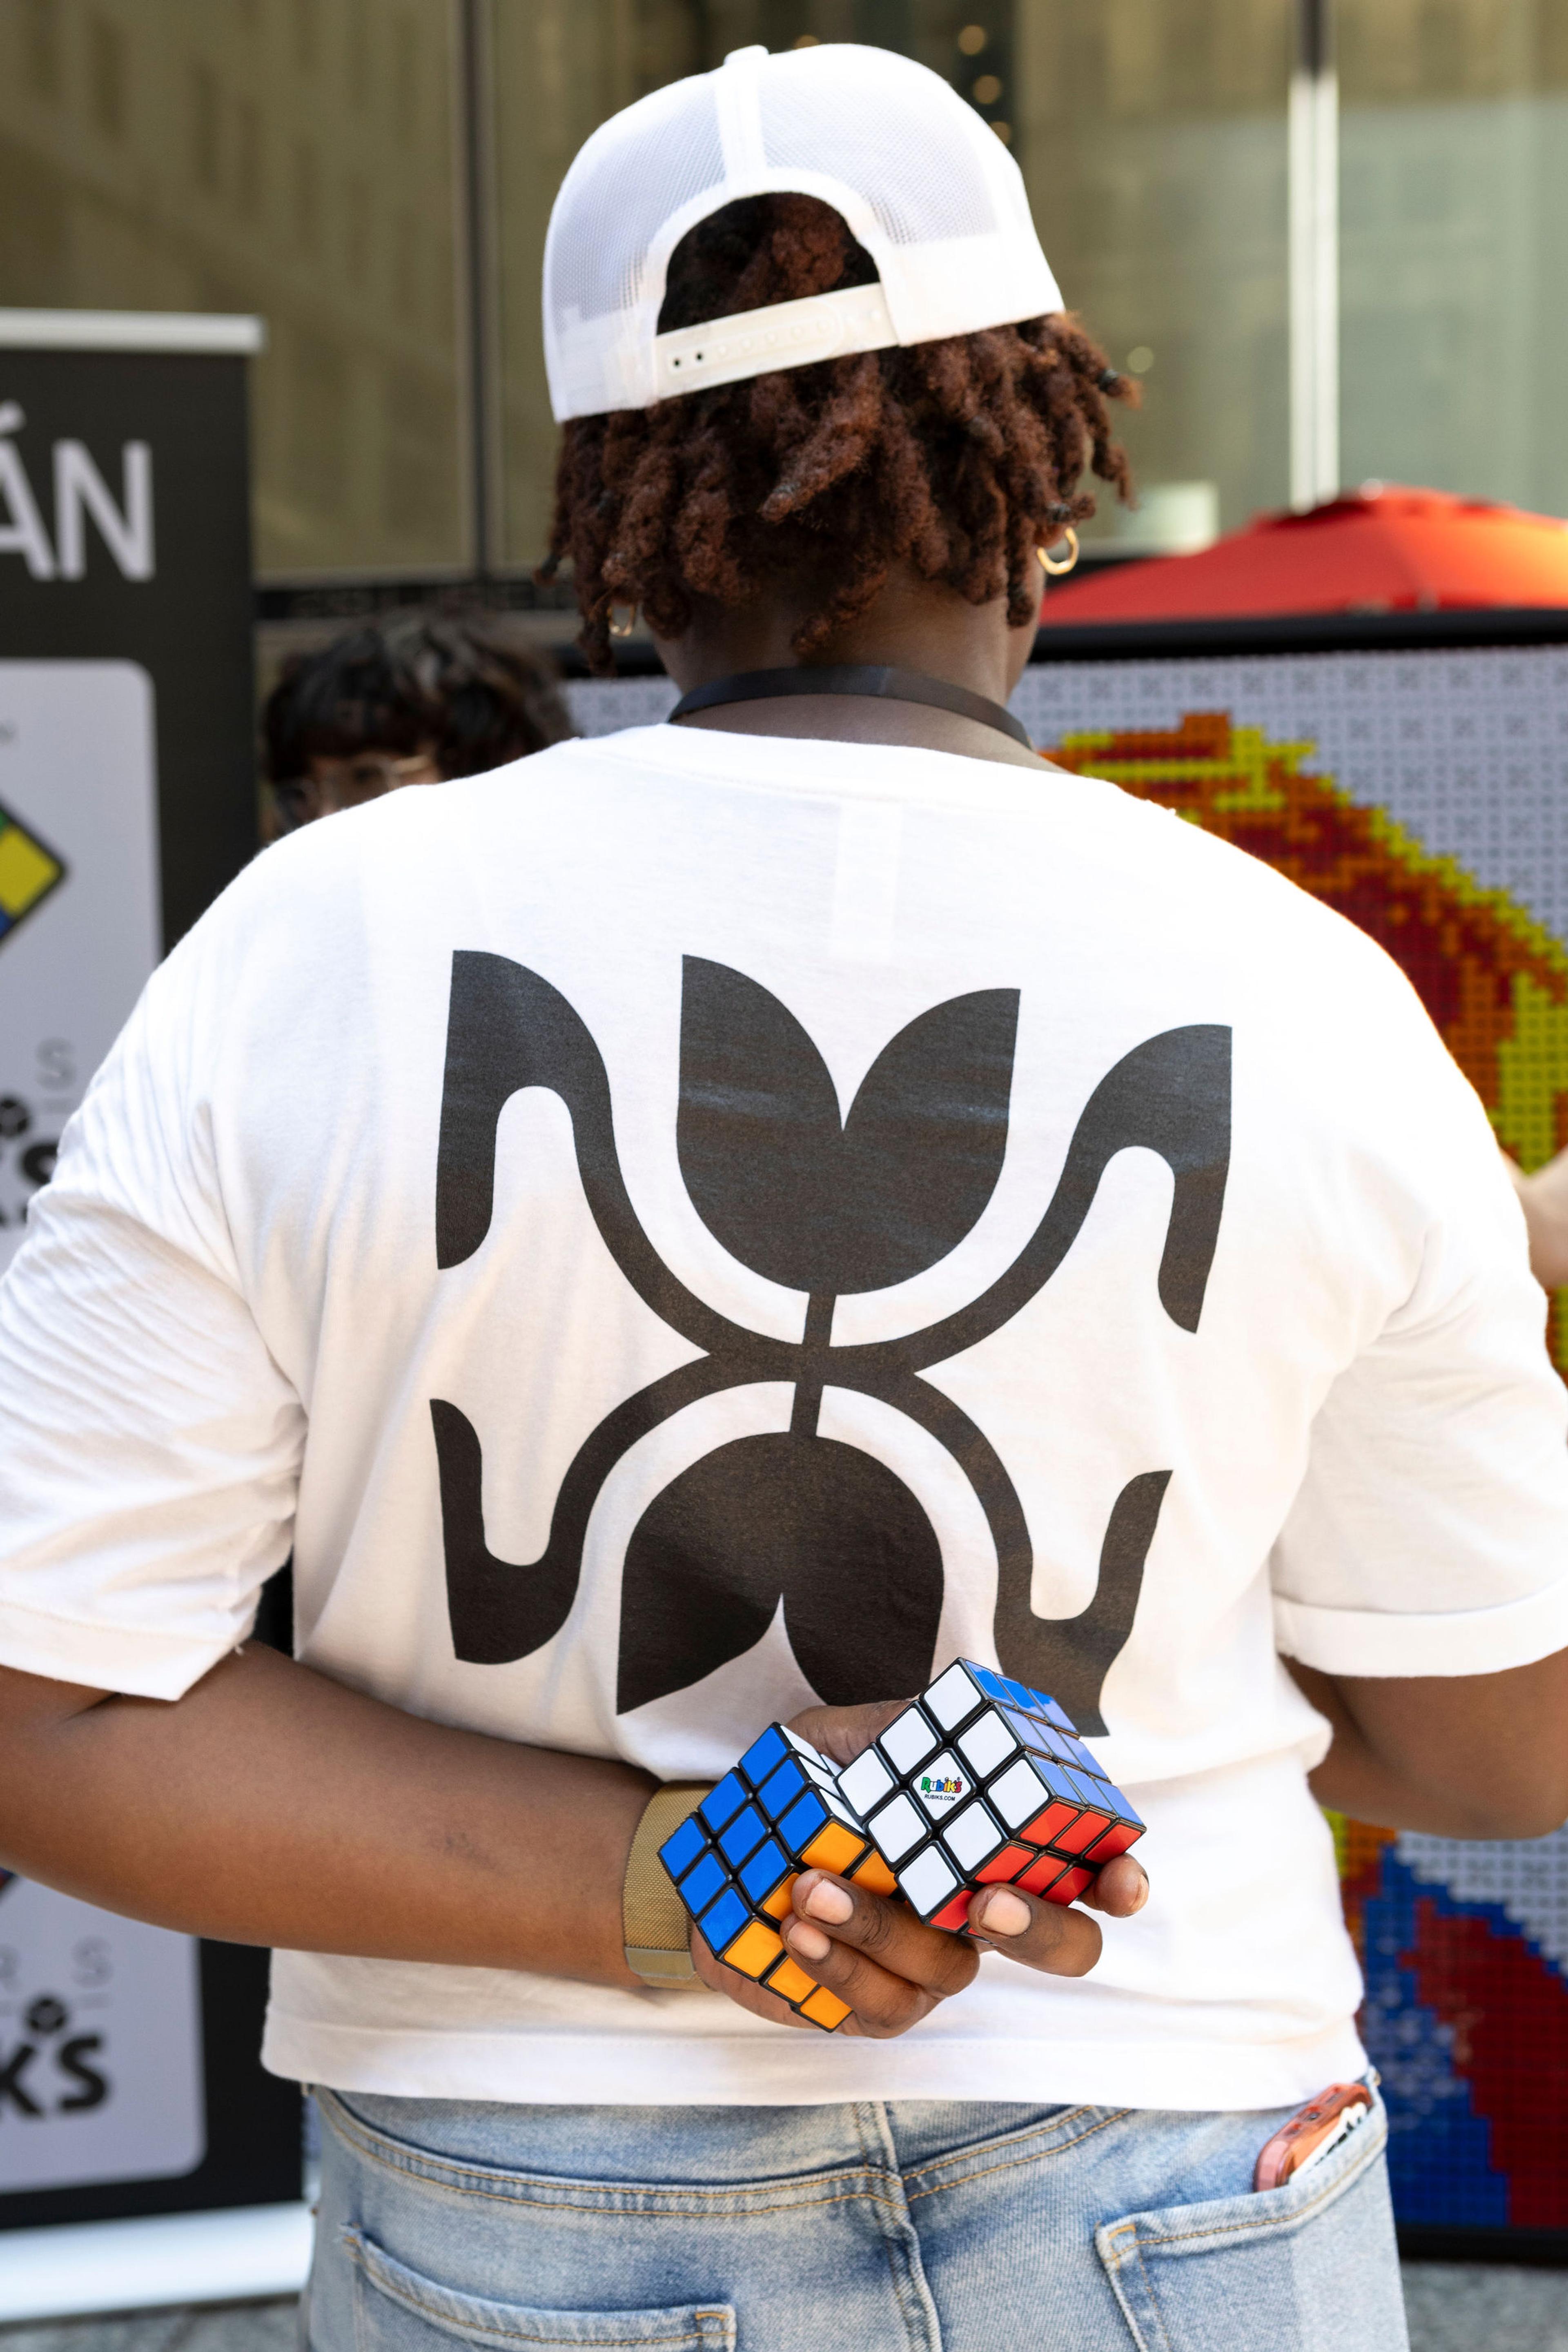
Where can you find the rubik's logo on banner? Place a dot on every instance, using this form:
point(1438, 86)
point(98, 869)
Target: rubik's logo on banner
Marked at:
point(29, 871)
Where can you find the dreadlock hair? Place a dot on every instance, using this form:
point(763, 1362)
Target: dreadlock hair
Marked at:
point(959, 457)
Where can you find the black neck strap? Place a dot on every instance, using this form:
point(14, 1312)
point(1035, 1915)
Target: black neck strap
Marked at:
point(854, 677)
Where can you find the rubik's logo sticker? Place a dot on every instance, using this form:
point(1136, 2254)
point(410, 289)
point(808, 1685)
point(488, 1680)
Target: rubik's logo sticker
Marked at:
point(28, 872)
point(950, 1788)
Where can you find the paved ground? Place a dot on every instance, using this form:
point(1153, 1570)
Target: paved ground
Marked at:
point(1454, 2307)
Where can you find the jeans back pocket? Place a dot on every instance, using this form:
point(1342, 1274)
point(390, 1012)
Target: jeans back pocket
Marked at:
point(396, 2310)
point(1309, 2267)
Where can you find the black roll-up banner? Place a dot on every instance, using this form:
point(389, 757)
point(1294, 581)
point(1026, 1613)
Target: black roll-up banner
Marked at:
point(129, 2075)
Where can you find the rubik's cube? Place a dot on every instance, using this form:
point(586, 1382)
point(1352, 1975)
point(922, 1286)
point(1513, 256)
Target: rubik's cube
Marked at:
point(735, 1860)
point(984, 1782)
point(981, 1781)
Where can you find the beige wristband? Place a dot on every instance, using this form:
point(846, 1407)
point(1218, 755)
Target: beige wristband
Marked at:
point(654, 1920)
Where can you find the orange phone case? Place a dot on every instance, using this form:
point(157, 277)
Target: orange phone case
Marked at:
point(1308, 2132)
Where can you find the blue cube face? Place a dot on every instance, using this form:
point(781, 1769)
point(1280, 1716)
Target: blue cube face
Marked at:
point(1048, 1741)
point(1057, 1715)
point(766, 1867)
point(764, 1755)
point(1125, 1810)
point(746, 1831)
point(700, 1885)
point(1084, 1786)
point(1021, 1695)
point(1077, 1755)
point(779, 1793)
point(722, 1803)
point(723, 1921)
point(995, 1685)
point(803, 1821)
point(680, 1850)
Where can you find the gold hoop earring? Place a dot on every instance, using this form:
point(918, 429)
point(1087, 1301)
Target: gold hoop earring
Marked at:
point(623, 628)
point(1056, 570)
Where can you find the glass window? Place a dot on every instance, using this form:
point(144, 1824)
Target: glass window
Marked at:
point(288, 157)
point(1153, 137)
point(1454, 245)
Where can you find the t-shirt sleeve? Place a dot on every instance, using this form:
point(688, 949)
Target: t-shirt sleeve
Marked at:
point(151, 1445)
point(1430, 1532)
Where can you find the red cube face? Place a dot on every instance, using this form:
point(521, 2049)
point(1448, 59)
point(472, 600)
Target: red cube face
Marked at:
point(1005, 1864)
point(1047, 1868)
point(952, 1915)
point(1069, 1886)
point(1047, 1828)
point(1117, 1839)
point(1082, 1834)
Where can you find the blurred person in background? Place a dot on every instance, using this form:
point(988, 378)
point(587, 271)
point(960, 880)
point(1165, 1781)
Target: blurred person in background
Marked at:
point(412, 701)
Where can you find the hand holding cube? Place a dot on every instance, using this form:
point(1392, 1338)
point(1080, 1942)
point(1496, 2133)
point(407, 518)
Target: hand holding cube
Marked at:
point(981, 1781)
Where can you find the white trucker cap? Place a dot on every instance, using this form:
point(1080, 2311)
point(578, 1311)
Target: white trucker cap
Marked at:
point(922, 180)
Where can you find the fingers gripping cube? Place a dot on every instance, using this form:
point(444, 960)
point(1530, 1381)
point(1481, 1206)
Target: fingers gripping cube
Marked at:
point(735, 1860)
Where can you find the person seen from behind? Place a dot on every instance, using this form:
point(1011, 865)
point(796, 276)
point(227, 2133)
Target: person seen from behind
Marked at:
point(414, 701)
point(799, 1195)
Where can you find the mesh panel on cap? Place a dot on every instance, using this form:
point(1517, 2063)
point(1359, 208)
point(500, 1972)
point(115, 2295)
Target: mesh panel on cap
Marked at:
point(920, 190)
point(622, 190)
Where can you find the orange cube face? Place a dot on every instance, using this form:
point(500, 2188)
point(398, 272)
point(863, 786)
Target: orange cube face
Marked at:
point(833, 1848)
point(790, 1982)
point(874, 1876)
point(778, 1902)
point(825, 2009)
point(754, 1950)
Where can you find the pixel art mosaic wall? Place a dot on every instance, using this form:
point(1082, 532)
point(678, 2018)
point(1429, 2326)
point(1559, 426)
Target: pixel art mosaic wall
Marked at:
point(1424, 795)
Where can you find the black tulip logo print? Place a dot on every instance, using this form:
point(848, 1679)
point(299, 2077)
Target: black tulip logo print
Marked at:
point(831, 1206)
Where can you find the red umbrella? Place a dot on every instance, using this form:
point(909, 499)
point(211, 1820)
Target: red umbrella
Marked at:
point(1376, 550)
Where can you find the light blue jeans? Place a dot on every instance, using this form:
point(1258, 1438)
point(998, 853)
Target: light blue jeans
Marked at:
point(908, 2226)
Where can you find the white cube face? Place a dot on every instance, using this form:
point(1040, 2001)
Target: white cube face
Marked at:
point(1017, 1793)
point(930, 1879)
point(866, 1782)
point(987, 1744)
point(953, 1696)
point(898, 1829)
point(973, 1836)
point(941, 1785)
point(907, 1740)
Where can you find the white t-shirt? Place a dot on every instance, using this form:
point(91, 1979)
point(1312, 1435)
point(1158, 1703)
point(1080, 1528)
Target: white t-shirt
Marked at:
point(467, 1205)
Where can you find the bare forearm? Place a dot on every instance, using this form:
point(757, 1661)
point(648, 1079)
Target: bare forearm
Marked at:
point(1480, 1756)
point(272, 1806)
